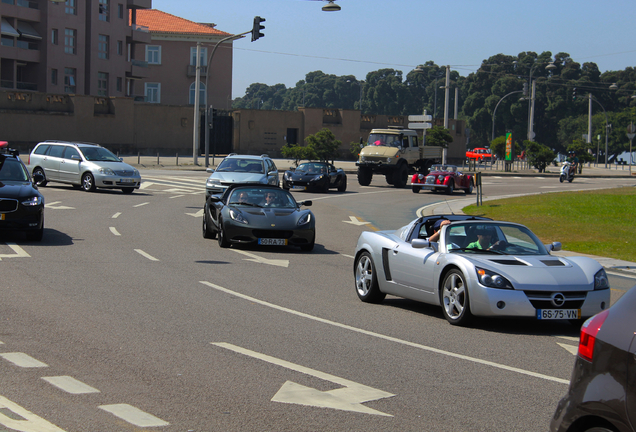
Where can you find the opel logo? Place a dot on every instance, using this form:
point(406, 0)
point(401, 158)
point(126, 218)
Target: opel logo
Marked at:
point(558, 299)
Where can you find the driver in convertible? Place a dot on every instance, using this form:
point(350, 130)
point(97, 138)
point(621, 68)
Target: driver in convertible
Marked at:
point(484, 238)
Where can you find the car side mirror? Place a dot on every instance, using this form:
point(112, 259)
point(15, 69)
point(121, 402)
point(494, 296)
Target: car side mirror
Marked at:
point(209, 170)
point(421, 243)
point(215, 198)
point(553, 247)
point(305, 203)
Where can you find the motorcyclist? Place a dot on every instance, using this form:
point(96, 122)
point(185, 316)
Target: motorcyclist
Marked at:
point(574, 162)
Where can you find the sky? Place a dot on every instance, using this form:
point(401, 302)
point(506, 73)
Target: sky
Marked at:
point(368, 35)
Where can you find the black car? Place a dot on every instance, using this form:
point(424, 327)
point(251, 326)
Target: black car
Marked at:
point(21, 204)
point(259, 214)
point(320, 176)
point(602, 393)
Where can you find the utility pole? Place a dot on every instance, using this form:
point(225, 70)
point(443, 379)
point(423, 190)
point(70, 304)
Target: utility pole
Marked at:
point(531, 133)
point(197, 117)
point(446, 98)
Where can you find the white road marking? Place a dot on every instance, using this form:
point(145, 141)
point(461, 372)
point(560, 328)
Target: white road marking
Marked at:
point(348, 398)
point(134, 415)
point(261, 260)
point(570, 348)
point(390, 338)
point(197, 214)
point(58, 207)
point(28, 421)
point(176, 196)
point(70, 384)
point(19, 252)
point(570, 338)
point(23, 360)
point(549, 187)
point(146, 255)
point(355, 221)
point(141, 205)
point(114, 231)
point(348, 256)
point(348, 195)
point(625, 275)
point(116, 215)
point(145, 184)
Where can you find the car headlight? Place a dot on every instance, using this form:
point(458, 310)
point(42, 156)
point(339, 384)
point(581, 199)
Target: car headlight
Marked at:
point(213, 182)
point(106, 171)
point(318, 177)
point(388, 160)
point(491, 279)
point(237, 216)
point(304, 219)
point(287, 176)
point(135, 173)
point(600, 280)
point(441, 178)
point(420, 176)
point(363, 158)
point(33, 201)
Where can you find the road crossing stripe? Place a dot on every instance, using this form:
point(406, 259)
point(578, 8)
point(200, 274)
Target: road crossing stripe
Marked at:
point(70, 385)
point(134, 415)
point(23, 360)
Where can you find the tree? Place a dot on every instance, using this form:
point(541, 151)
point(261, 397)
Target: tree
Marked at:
point(323, 144)
point(297, 152)
point(538, 155)
point(438, 136)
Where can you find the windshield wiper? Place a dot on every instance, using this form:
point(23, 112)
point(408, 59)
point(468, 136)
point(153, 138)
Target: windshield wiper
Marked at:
point(477, 250)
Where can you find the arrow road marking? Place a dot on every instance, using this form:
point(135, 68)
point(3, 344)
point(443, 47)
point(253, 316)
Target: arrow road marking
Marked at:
point(261, 260)
point(54, 205)
point(570, 348)
point(197, 214)
point(27, 422)
point(348, 398)
point(19, 252)
point(355, 221)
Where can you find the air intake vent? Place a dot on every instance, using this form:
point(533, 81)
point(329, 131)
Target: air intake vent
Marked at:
point(510, 262)
point(553, 263)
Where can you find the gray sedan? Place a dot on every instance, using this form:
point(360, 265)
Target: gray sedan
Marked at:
point(478, 267)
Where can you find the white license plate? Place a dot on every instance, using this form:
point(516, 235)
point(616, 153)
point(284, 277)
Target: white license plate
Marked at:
point(554, 314)
point(272, 242)
point(127, 180)
point(298, 187)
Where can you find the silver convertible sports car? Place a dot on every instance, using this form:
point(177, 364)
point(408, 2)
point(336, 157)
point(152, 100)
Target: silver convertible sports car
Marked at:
point(478, 267)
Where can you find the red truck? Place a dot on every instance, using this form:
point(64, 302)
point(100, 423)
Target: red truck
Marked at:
point(480, 155)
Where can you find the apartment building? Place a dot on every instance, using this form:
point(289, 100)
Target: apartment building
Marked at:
point(83, 47)
point(171, 57)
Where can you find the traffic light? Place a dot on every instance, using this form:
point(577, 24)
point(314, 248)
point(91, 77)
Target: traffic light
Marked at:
point(525, 89)
point(574, 93)
point(256, 30)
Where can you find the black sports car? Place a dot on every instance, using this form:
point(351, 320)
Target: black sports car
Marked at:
point(259, 214)
point(21, 204)
point(320, 176)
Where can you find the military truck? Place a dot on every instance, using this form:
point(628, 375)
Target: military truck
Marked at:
point(395, 153)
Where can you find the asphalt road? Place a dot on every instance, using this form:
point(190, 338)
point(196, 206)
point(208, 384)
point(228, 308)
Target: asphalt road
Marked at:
point(126, 319)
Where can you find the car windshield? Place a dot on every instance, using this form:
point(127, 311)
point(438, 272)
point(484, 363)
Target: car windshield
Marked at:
point(492, 238)
point(262, 197)
point(98, 154)
point(312, 168)
point(241, 165)
point(382, 139)
point(449, 168)
point(12, 170)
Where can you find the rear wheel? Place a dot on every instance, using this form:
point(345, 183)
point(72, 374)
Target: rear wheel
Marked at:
point(365, 175)
point(451, 188)
point(88, 182)
point(367, 286)
point(400, 177)
point(469, 190)
point(454, 298)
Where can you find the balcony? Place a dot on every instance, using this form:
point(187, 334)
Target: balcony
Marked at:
point(138, 70)
point(139, 4)
point(139, 34)
point(192, 71)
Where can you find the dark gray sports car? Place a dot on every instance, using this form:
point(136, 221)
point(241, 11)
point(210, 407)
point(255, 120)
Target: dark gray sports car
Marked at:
point(259, 214)
point(320, 176)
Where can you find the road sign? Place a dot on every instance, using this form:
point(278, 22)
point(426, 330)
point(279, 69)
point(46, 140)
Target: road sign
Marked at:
point(630, 129)
point(631, 136)
point(420, 118)
point(420, 125)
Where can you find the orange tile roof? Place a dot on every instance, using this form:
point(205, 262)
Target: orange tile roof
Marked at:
point(162, 22)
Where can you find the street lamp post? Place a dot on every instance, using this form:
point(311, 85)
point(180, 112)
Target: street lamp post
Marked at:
point(533, 87)
point(495, 111)
point(607, 125)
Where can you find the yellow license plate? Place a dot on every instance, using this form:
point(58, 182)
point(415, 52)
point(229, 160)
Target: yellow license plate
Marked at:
point(1, 216)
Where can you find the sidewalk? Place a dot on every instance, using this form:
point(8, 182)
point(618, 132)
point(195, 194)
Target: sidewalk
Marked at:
point(623, 268)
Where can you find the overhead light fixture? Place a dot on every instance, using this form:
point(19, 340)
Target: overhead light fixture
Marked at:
point(331, 7)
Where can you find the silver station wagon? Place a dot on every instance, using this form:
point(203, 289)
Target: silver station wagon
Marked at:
point(83, 165)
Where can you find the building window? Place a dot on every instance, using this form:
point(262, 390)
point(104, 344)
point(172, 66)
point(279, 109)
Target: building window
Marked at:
point(102, 47)
point(153, 92)
point(70, 40)
point(120, 48)
point(203, 54)
point(104, 8)
point(69, 80)
point(102, 84)
point(54, 37)
point(201, 93)
point(54, 76)
point(153, 54)
point(120, 11)
point(120, 84)
point(71, 7)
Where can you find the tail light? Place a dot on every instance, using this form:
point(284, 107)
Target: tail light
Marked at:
point(590, 329)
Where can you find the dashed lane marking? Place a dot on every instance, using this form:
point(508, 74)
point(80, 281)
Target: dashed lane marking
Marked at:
point(70, 385)
point(134, 415)
point(114, 231)
point(142, 204)
point(146, 255)
point(23, 360)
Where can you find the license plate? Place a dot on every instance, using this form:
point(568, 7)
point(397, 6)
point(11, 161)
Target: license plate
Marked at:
point(127, 180)
point(1, 216)
point(298, 187)
point(554, 314)
point(272, 242)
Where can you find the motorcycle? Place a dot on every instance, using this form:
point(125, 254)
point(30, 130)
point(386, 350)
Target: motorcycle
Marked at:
point(566, 173)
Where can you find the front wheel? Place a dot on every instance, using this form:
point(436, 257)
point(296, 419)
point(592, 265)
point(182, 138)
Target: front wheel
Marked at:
point(222, 239)
point(454, 299)
point(343, 184)
point(451, 188)
point(367, 286)
point(469, 190)
point(128, 190)
point(285, 185)
point(208, 233)
point(561, 178)
point(417, 189)
point(364, 176)
point(41, 172)
point(88, 182)
point(400, 177)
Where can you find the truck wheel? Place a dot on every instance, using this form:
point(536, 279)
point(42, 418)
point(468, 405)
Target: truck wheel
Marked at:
point(400, 177)
point(364, 176)
point(389, 178)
